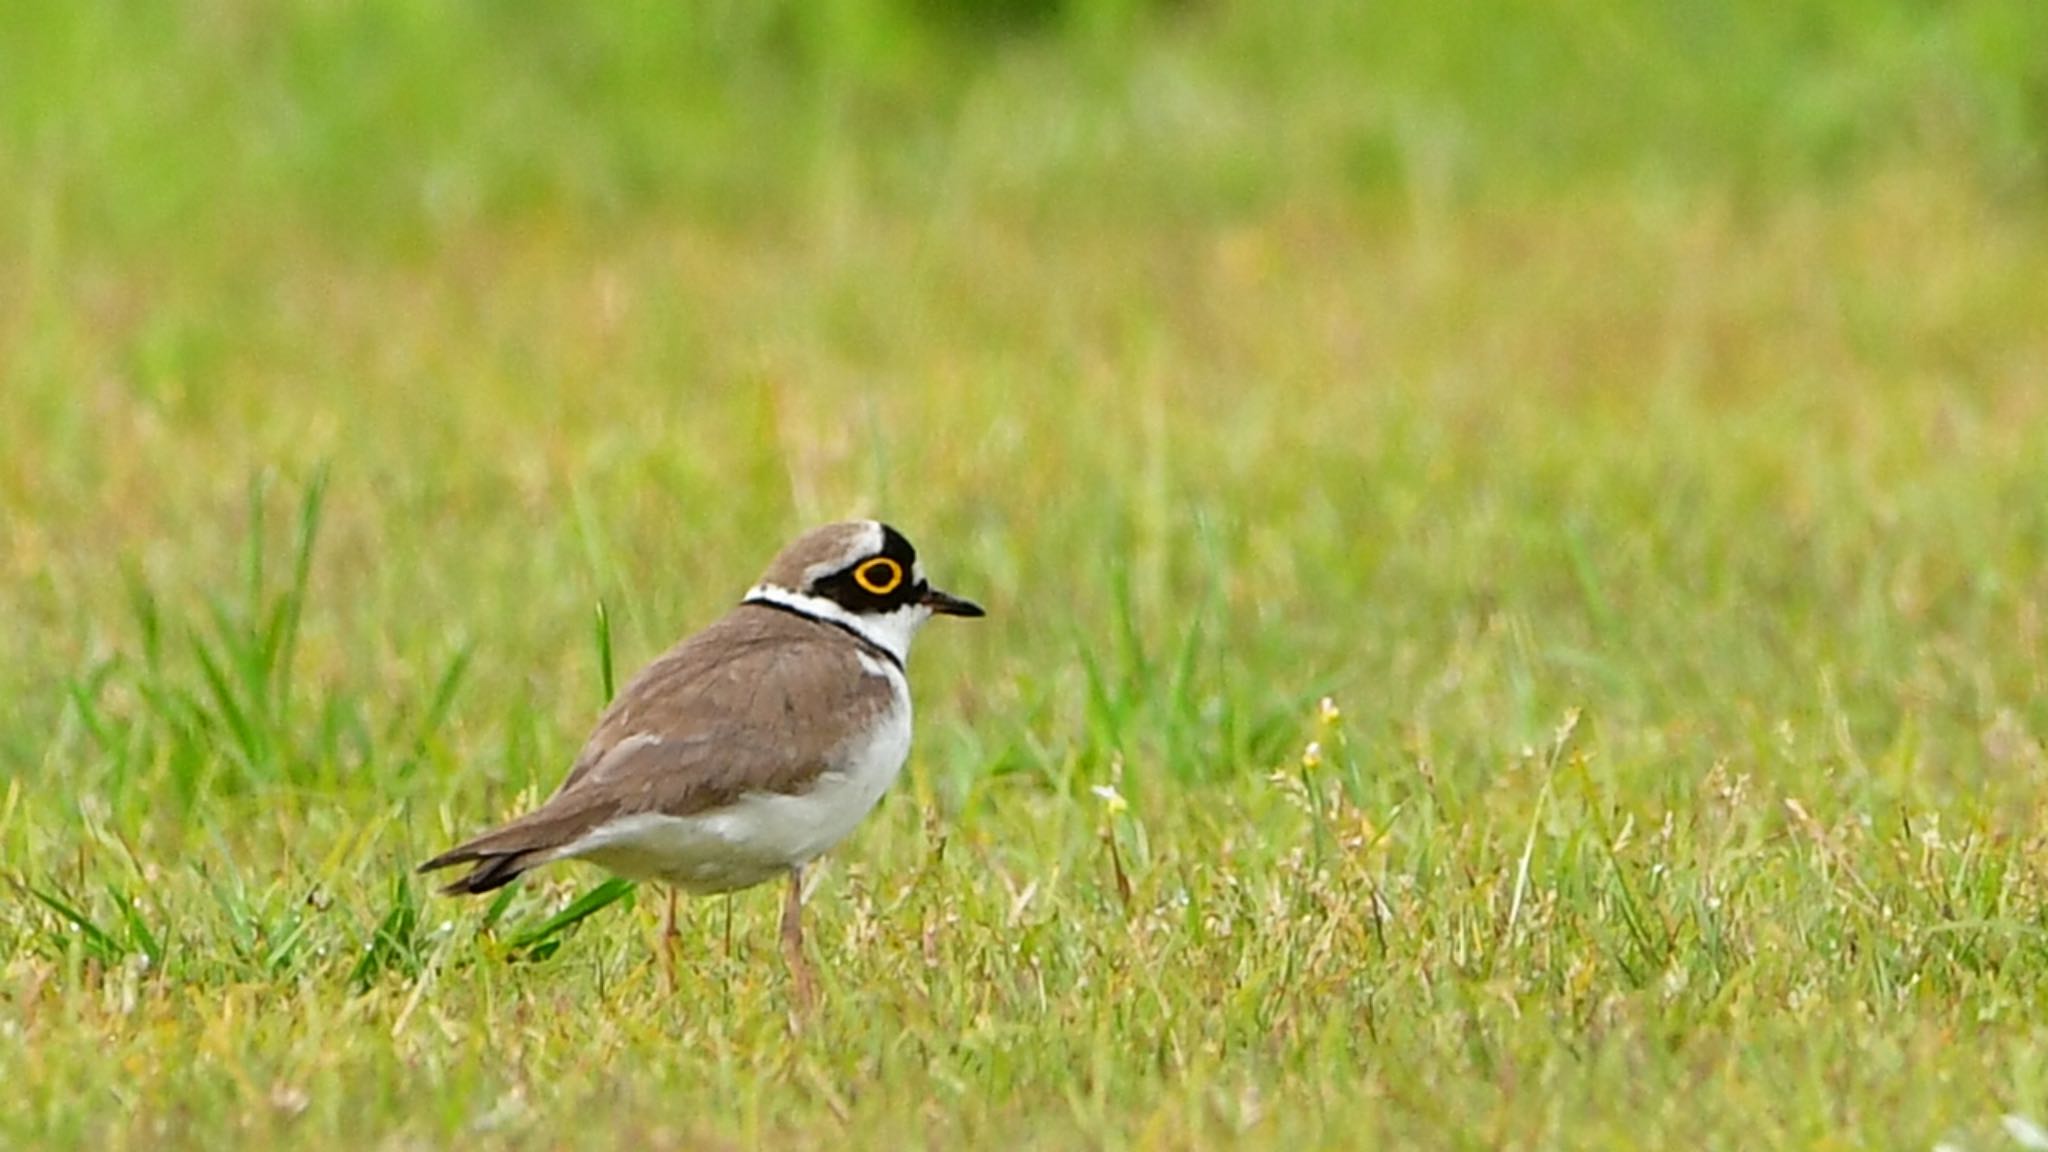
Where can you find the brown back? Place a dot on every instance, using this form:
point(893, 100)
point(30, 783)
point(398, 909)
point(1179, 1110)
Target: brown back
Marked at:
point(761, 701)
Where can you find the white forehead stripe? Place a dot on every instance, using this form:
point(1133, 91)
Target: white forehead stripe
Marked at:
point(859, 545)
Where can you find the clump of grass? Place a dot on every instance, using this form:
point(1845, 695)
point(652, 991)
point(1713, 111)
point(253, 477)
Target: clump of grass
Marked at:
point(209, 705)
point(215, 708)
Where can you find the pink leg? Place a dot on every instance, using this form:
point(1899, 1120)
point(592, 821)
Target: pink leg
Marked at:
point(669, 936)
point(793, 943)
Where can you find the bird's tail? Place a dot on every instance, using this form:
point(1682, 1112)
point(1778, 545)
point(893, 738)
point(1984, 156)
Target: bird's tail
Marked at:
point(500, 857)
point(493, 870)
point(508, 851)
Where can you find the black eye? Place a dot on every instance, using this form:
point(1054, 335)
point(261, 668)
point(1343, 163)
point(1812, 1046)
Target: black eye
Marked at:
point(879, 576)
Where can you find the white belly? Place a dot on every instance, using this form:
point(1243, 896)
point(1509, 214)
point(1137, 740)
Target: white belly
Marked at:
point(761, 835)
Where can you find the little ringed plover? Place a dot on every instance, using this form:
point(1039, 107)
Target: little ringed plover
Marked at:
point(750, 748)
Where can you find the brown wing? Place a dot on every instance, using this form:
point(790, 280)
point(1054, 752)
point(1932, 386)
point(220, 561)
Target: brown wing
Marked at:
point(761, 701)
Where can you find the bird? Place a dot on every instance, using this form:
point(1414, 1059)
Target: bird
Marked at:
point(748, 749)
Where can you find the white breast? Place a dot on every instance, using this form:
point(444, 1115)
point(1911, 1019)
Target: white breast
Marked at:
point(762, 834)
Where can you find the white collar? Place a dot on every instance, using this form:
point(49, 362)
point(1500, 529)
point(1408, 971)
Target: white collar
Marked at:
point(889, 631)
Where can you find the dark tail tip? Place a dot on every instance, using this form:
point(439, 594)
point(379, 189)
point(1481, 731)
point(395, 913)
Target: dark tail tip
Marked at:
point(490, 874)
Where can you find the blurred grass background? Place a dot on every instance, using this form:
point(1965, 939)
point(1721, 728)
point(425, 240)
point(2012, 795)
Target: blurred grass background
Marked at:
point(1682, 364)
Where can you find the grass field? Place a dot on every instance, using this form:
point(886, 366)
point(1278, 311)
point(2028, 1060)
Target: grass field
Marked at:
point(1516, 538)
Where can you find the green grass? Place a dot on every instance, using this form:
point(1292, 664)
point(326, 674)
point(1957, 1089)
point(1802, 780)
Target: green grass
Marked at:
point(1632, 420)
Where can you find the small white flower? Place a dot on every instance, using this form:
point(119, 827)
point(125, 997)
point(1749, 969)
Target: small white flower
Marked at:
point(1111, 797)
point(2026, 1133)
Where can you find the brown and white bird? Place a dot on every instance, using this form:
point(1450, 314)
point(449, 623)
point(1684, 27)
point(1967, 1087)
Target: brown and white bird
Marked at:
point(750, 748)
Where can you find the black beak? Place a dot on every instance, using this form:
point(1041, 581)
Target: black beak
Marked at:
point(947, 604)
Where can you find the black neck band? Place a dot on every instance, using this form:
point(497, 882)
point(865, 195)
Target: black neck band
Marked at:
point(843, 626)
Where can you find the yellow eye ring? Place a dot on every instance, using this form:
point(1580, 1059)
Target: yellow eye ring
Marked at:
point(880, 576)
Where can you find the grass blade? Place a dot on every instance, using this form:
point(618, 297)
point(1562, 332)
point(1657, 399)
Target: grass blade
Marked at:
point(144, 940)
point(604, 652)
point(438, 707)
point(290, 608)
point(98, 940)
point(394, 943)
point(589, 904)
